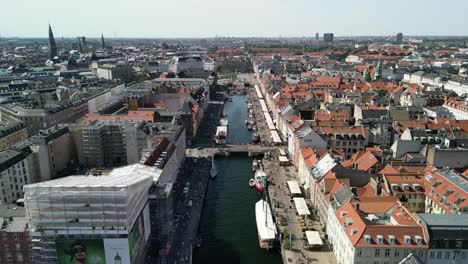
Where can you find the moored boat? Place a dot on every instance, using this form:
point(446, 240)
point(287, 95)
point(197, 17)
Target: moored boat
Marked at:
point(214, 170)
point(266, 228)
point(221, 135)
point(260, 180)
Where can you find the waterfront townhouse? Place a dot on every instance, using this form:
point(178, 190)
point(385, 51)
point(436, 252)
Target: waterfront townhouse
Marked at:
point(348, 139)
point(446, 192)
point(375, 230)
point(301, 135)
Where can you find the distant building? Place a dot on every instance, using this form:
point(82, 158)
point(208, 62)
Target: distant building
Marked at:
point(121, 72)
point(52, 45)
point(15, 172)
point(12, 133)
point(53, 151)
point(15, 240)
point(399, 38)
point(317, 36)
point(459, 109)
point(190, 66)
point(328, 37)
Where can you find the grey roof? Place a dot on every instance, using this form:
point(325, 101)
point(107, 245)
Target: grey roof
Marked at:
point(343, 195)
point(366, 114)
point(324, 165)
point(455, 179)
point(12, 156)
point(445, 226)
point(411, 259)
point(445, 220)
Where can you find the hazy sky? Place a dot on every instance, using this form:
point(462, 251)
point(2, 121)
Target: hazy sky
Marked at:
point(250, 18)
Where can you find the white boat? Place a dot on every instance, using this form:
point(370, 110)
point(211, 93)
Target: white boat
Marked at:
point(251, 182)
point(221, 135)
point(214, 170)
point(266, 228)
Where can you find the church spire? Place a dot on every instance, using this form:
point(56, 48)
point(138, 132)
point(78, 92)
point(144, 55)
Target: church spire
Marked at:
point(52, 45)
point(103, 44)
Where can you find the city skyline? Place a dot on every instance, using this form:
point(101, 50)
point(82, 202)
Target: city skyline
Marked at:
point(219, 18)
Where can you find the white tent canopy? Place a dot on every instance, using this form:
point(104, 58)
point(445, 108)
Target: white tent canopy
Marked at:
point(294, 188)
point(313, 238)
point(301, 206)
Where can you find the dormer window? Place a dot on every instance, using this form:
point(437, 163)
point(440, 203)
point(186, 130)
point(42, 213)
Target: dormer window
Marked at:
point(380, 239)
point(391, 239)
point(407, 239)
point(418, 239)
point(367, 239)
point(353, 231)
point(405, 187)
point(394, 186)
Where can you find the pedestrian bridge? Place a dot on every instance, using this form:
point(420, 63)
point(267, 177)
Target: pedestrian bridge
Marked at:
point(226, 150)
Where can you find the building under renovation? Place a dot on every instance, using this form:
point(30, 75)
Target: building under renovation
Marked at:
point(106, 216)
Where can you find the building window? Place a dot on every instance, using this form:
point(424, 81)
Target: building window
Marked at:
point(387, 252)
point(19, 257)
point(18, 246)
point(16, 235)
point(439, 255)
point(432, 255)
point(397, 252)
point(447, 255)
point(359, 252)
point(377, 252)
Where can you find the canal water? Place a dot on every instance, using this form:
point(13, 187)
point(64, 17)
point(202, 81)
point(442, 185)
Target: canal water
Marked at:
point(227, 226)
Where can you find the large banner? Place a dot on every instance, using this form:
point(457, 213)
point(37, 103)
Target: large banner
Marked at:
point(82, 251)
point(117, 251)
point(93, 251)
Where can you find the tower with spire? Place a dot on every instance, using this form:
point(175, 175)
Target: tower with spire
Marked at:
point(103, 44)
point(378, 71)
point(52, 45)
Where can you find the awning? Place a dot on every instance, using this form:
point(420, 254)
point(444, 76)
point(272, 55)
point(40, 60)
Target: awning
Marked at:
point(313, 238)
point(276, 137)
point(294, 187)
point(301, 206)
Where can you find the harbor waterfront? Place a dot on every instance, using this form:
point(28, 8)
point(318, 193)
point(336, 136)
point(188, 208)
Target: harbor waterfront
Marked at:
point(227, 227)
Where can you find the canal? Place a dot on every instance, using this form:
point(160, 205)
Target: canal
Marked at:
point(227, 226)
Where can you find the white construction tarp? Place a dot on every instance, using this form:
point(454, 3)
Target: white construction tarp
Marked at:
point(265, 225)
point(301, 206)
point(264, 106)
point(294, 188)
point(313, 238)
